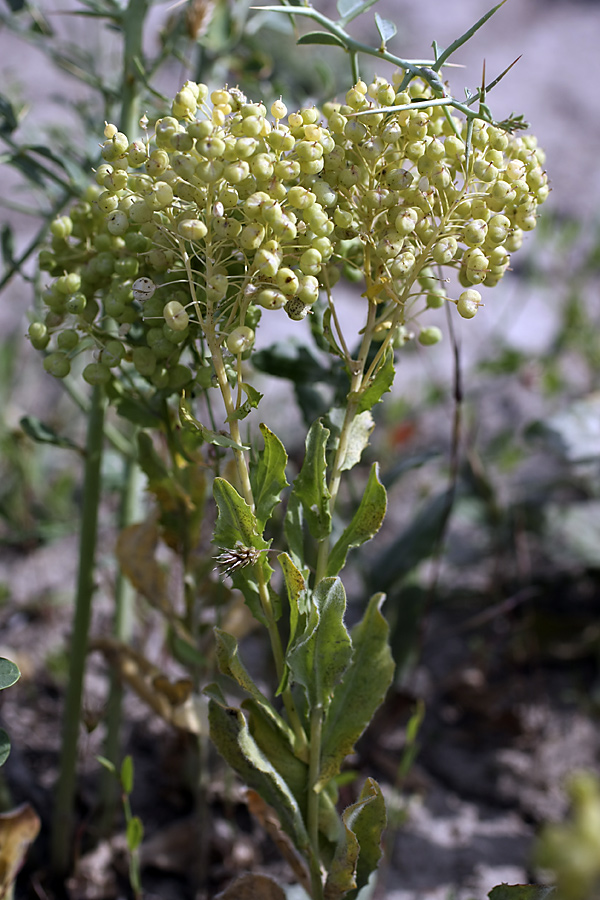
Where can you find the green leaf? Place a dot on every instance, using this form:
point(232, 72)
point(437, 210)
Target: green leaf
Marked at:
point(359, 849)
point(108, 765)
point(321, 37)
point(295, 585)
point(8, 245)
point(9, 673)
point(9, 117)
point(41, 433)
point(319, 658)
point(150, 462)
point(276, 744)
point(350, 9)
point(311, 483)
point(362, 690)
point(4, 746)
point(380, 384)
point(231, 736)
point(230, 664)
point(267, 476)
point(386, 29)
point(290, 360)
point(235, 520)
point(211, 437)
point(358, 438)
point(366, 819)
point(293, 529)
point(137, 413)
point(254, 398)
point(127, 774)
point(135, 833)
point(366, 522)
point(521, 892)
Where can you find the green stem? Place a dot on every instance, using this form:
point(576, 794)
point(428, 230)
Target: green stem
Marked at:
point(132, 23)
point(62, 824)
point(122, 630)
point(312, 815)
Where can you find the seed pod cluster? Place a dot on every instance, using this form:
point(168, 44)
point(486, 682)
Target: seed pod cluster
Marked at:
point(226, 211)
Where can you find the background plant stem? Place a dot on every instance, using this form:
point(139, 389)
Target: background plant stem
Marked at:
point(62, 825)
point(123, 625)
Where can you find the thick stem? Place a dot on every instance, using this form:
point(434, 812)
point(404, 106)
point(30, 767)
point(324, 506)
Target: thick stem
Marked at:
point(133, 24)
point(62, 824)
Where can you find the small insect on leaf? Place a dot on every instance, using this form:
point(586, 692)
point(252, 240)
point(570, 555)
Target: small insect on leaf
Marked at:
point(229, 561)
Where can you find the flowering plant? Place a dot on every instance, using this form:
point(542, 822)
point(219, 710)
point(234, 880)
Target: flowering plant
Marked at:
point(197, 226)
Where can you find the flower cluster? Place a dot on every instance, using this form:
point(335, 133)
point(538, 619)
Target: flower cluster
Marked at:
point(225, 212)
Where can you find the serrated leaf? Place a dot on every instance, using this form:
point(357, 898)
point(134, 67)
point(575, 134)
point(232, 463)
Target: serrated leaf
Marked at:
point(211, 437)
point(386, 29)
point(321, 37)
point(380, 384)
point(9, 673)
point(231, 736)
point(135, 833)
point(253, 399)
point(41, 433)
point(4, 746)
point(358, 438)
point(235, 520)
point(361, 692)
point(366, 522)
point(320, 657)
point(230, 664)
point(521, 892)
point(350, 9)
point(127, 774)
point(310, 485)
point(267, 476)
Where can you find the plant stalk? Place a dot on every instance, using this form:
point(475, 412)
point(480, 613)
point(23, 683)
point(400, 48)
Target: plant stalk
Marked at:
point(62, 824)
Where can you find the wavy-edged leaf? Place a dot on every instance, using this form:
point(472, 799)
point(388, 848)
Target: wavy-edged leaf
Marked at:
point(267, 476)
point(253, 398)
point(358, 438)
point(320, 657)
point(366, 819)
point(366, 522)
point(231, 736)
point(321, 37)
point(380, 384)
point(310, 485)
point(9, 673)
point(362, 690)
point(386, 29)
